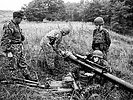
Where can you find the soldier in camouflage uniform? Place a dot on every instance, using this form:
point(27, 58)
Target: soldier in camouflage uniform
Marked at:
point(12, 44)
point(49, 43)
point(101, 38)
point(54, 38)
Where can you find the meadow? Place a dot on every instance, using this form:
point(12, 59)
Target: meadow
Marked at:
point(120, 55)
point(79, 41)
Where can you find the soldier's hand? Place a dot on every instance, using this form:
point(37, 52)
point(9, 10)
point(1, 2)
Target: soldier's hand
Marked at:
point(10, 54)
point(70, 54)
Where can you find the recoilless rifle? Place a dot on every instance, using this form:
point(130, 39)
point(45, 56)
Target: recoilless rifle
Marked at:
point(98, 69)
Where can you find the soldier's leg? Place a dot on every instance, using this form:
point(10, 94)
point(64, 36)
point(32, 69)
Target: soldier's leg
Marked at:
point(12, 63)
point(21, 63)
point(7, 67)
point(57, 65)
point(45, 50)
point(24, 68)
point(44, 57)
point(48, 58)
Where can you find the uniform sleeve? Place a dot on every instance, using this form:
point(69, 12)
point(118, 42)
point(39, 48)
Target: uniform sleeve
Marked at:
point(22, 36)
point(58, 39)
point(57, 42)
point(51, 36)
point(93, 40)
point(108, 40)
point(6, 38)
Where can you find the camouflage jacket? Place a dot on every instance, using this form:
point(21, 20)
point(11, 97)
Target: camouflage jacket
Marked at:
point(12, 34)
point(101, 40)
point(55, 38)
point(55, 35)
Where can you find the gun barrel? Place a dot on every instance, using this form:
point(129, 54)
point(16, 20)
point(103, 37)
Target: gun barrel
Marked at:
point(97, 69)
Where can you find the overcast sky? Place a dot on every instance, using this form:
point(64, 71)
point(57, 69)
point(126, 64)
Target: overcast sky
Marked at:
point(17, 4)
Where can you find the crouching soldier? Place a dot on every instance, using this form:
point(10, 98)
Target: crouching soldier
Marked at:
point(12, 44)
point(97, 57)
point(101, 38)
point(50, 42)
point(83, 74)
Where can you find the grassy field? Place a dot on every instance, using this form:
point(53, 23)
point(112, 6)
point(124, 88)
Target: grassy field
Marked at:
point(80, 39)
point(120, 55)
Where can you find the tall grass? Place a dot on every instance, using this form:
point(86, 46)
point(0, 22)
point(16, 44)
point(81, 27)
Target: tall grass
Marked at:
point(79, 41)
point(120, 54)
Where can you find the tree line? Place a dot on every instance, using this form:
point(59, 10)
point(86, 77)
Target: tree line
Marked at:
point(118, 14)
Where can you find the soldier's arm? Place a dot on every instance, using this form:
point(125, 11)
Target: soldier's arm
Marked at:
point(57, 42)
point(7, 37)
point(106, 64)
point(108, 40)
point(93, 40)
point(22, 36)
point(56, 47)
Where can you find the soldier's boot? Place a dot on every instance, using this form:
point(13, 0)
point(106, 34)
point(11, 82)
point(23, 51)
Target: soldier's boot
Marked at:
point(26, 74)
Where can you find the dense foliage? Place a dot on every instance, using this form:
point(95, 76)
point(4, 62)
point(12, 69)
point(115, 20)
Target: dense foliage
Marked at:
point(118, 14)
point(37, 10)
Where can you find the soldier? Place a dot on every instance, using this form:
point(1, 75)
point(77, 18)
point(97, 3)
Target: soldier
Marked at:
point(51, 42)
point(54, 38)
point(84, 75)
point(12, 44)
point(98, 57)
point(101, 38)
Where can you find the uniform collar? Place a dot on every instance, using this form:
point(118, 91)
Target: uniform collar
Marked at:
point(99, 30)
point(14, 23)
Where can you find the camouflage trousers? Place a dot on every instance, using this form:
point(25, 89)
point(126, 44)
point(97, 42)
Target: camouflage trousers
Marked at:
point(17, 62)
point(51, 58)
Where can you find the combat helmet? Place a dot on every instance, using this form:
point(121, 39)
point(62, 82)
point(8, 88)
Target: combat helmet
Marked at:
point(98, 21)
point(97, 53)
point(66, 30)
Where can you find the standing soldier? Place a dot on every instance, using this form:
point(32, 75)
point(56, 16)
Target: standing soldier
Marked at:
point(101, 38)
point(12, 44)
point(51, 42)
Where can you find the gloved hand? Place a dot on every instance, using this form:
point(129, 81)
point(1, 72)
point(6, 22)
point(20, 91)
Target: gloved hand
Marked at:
point(70, 54)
